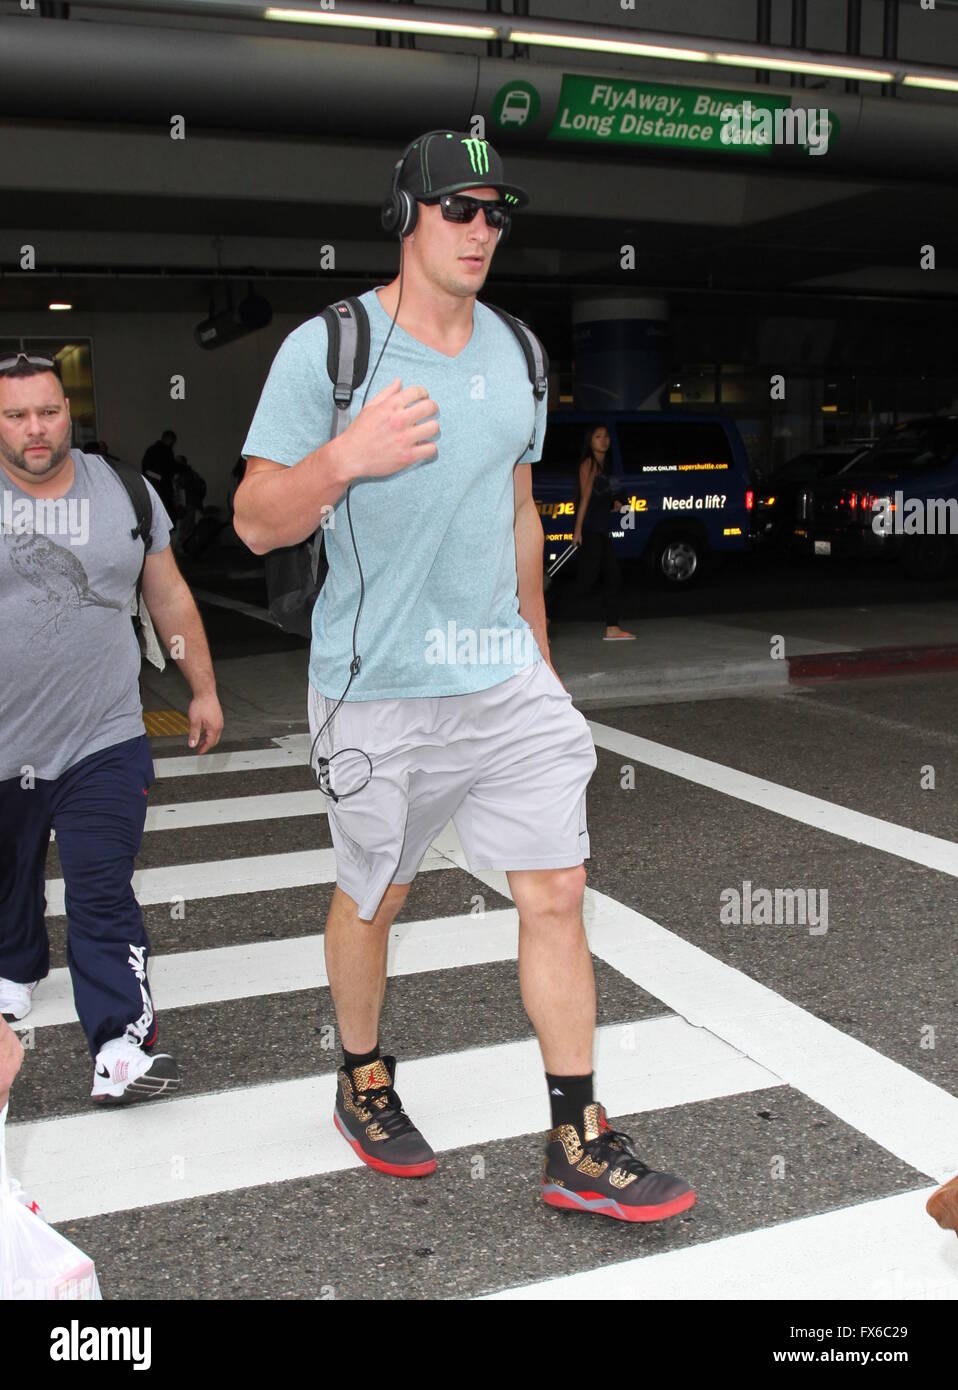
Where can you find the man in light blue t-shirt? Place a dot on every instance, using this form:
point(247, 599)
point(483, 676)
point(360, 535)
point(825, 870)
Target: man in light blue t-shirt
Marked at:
point(431, 694)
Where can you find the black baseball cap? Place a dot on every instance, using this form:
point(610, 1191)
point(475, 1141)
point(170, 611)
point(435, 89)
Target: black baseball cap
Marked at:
point(449, 161)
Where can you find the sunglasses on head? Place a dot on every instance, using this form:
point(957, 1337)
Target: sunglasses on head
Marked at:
point(7, 364)
point(456, 207)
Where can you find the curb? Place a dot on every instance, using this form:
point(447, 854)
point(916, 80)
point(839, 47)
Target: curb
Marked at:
point(874, 661)
point(666, 685)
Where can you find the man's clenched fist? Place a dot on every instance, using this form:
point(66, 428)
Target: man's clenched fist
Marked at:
point(393, 430)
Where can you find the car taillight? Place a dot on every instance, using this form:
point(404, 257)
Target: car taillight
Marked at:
point(853, 500)
point(867, 500)
point(749, 499)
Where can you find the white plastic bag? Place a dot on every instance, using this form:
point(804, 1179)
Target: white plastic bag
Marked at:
point(150, 646)
point(24, 1199)
point(36, 1262)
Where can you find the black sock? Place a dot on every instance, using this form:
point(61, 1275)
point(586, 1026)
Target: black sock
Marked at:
point(359, 1059)
point(568, 1096)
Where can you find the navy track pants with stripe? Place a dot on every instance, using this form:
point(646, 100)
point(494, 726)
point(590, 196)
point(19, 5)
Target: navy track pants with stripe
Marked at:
point(97, 809)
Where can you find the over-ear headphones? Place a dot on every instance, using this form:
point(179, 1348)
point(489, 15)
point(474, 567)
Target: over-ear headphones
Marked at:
point(400, 211)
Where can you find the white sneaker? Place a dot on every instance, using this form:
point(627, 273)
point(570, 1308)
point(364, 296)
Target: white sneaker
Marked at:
point(124, 1073)
point(15, 1000)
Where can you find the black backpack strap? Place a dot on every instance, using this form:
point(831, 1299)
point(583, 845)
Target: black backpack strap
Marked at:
point(347, 354)
point(347, 357)
point(139, 495)
point(537, 359)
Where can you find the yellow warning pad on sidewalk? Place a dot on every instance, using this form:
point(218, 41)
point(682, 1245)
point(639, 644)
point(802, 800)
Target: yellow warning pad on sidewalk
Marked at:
point(160, 722)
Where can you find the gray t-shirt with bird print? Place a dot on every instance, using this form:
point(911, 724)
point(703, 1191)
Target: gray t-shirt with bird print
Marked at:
point(69, 658)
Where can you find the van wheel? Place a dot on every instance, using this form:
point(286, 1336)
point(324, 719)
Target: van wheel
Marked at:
point(677, 559)
point(927, 557)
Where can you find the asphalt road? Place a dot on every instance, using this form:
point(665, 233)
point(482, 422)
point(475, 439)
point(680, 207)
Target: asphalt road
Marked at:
point(801, 1073)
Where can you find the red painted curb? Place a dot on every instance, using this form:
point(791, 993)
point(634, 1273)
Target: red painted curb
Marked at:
point(876, 661)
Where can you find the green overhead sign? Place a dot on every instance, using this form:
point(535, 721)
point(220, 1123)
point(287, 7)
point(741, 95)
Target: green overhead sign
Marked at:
point(611, 110)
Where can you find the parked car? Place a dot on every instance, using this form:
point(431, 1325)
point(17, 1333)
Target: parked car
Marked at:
point(898, 499)
point(682, 480)
point(777, 492)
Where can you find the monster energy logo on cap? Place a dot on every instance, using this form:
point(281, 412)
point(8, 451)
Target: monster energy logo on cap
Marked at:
point(447, 161)
point(478, 154)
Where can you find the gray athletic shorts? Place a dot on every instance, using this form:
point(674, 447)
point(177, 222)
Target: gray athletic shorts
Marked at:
point(508, 765)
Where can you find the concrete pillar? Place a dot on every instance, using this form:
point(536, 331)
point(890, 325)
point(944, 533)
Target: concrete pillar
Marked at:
point(620, 353)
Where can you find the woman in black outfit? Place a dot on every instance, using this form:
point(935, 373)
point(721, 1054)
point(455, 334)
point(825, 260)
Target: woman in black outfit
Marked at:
point(594, 508)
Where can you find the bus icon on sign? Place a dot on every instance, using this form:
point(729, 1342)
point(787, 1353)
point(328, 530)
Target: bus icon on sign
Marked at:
point(515, 108)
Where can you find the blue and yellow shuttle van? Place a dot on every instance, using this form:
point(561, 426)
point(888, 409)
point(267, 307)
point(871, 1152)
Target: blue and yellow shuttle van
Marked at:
point(682, 479)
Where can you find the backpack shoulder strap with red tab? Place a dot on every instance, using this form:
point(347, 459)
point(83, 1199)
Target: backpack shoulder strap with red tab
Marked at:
point(347, 354)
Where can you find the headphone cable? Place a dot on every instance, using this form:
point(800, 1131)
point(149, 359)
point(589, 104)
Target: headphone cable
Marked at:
point(323, 774)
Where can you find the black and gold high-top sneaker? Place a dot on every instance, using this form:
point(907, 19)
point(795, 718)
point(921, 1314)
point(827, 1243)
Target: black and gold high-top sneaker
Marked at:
point(370, 1117)
point(593, 1167)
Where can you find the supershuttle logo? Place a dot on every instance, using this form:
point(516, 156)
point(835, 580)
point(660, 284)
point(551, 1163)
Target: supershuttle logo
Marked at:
point(554, 509)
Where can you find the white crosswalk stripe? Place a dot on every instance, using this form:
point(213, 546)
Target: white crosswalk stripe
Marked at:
point(235, 810)
point(928, 850)
point(287, 753)
point(886, 1249)
point(223, 878)
point(86, 1165)
point(185, 979)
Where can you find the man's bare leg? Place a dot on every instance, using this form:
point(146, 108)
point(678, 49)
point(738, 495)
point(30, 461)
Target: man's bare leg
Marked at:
point(356, 964)
point(600, 1171)
point(555, 966)
point(368, 1113)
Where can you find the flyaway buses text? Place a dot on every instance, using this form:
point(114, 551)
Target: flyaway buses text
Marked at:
point(653, 113)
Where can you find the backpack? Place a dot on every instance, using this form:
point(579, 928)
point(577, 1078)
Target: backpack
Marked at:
point(295, 573)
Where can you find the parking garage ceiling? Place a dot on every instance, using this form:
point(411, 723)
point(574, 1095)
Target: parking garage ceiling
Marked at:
point(125, 225)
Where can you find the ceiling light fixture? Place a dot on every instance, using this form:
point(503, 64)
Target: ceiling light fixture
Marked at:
point(818, 67)
point(938, 84)
point(596, 44)
point(343, 19)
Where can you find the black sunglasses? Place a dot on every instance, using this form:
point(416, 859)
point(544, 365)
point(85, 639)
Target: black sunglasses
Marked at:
point(456, 207)
point(7, 364)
